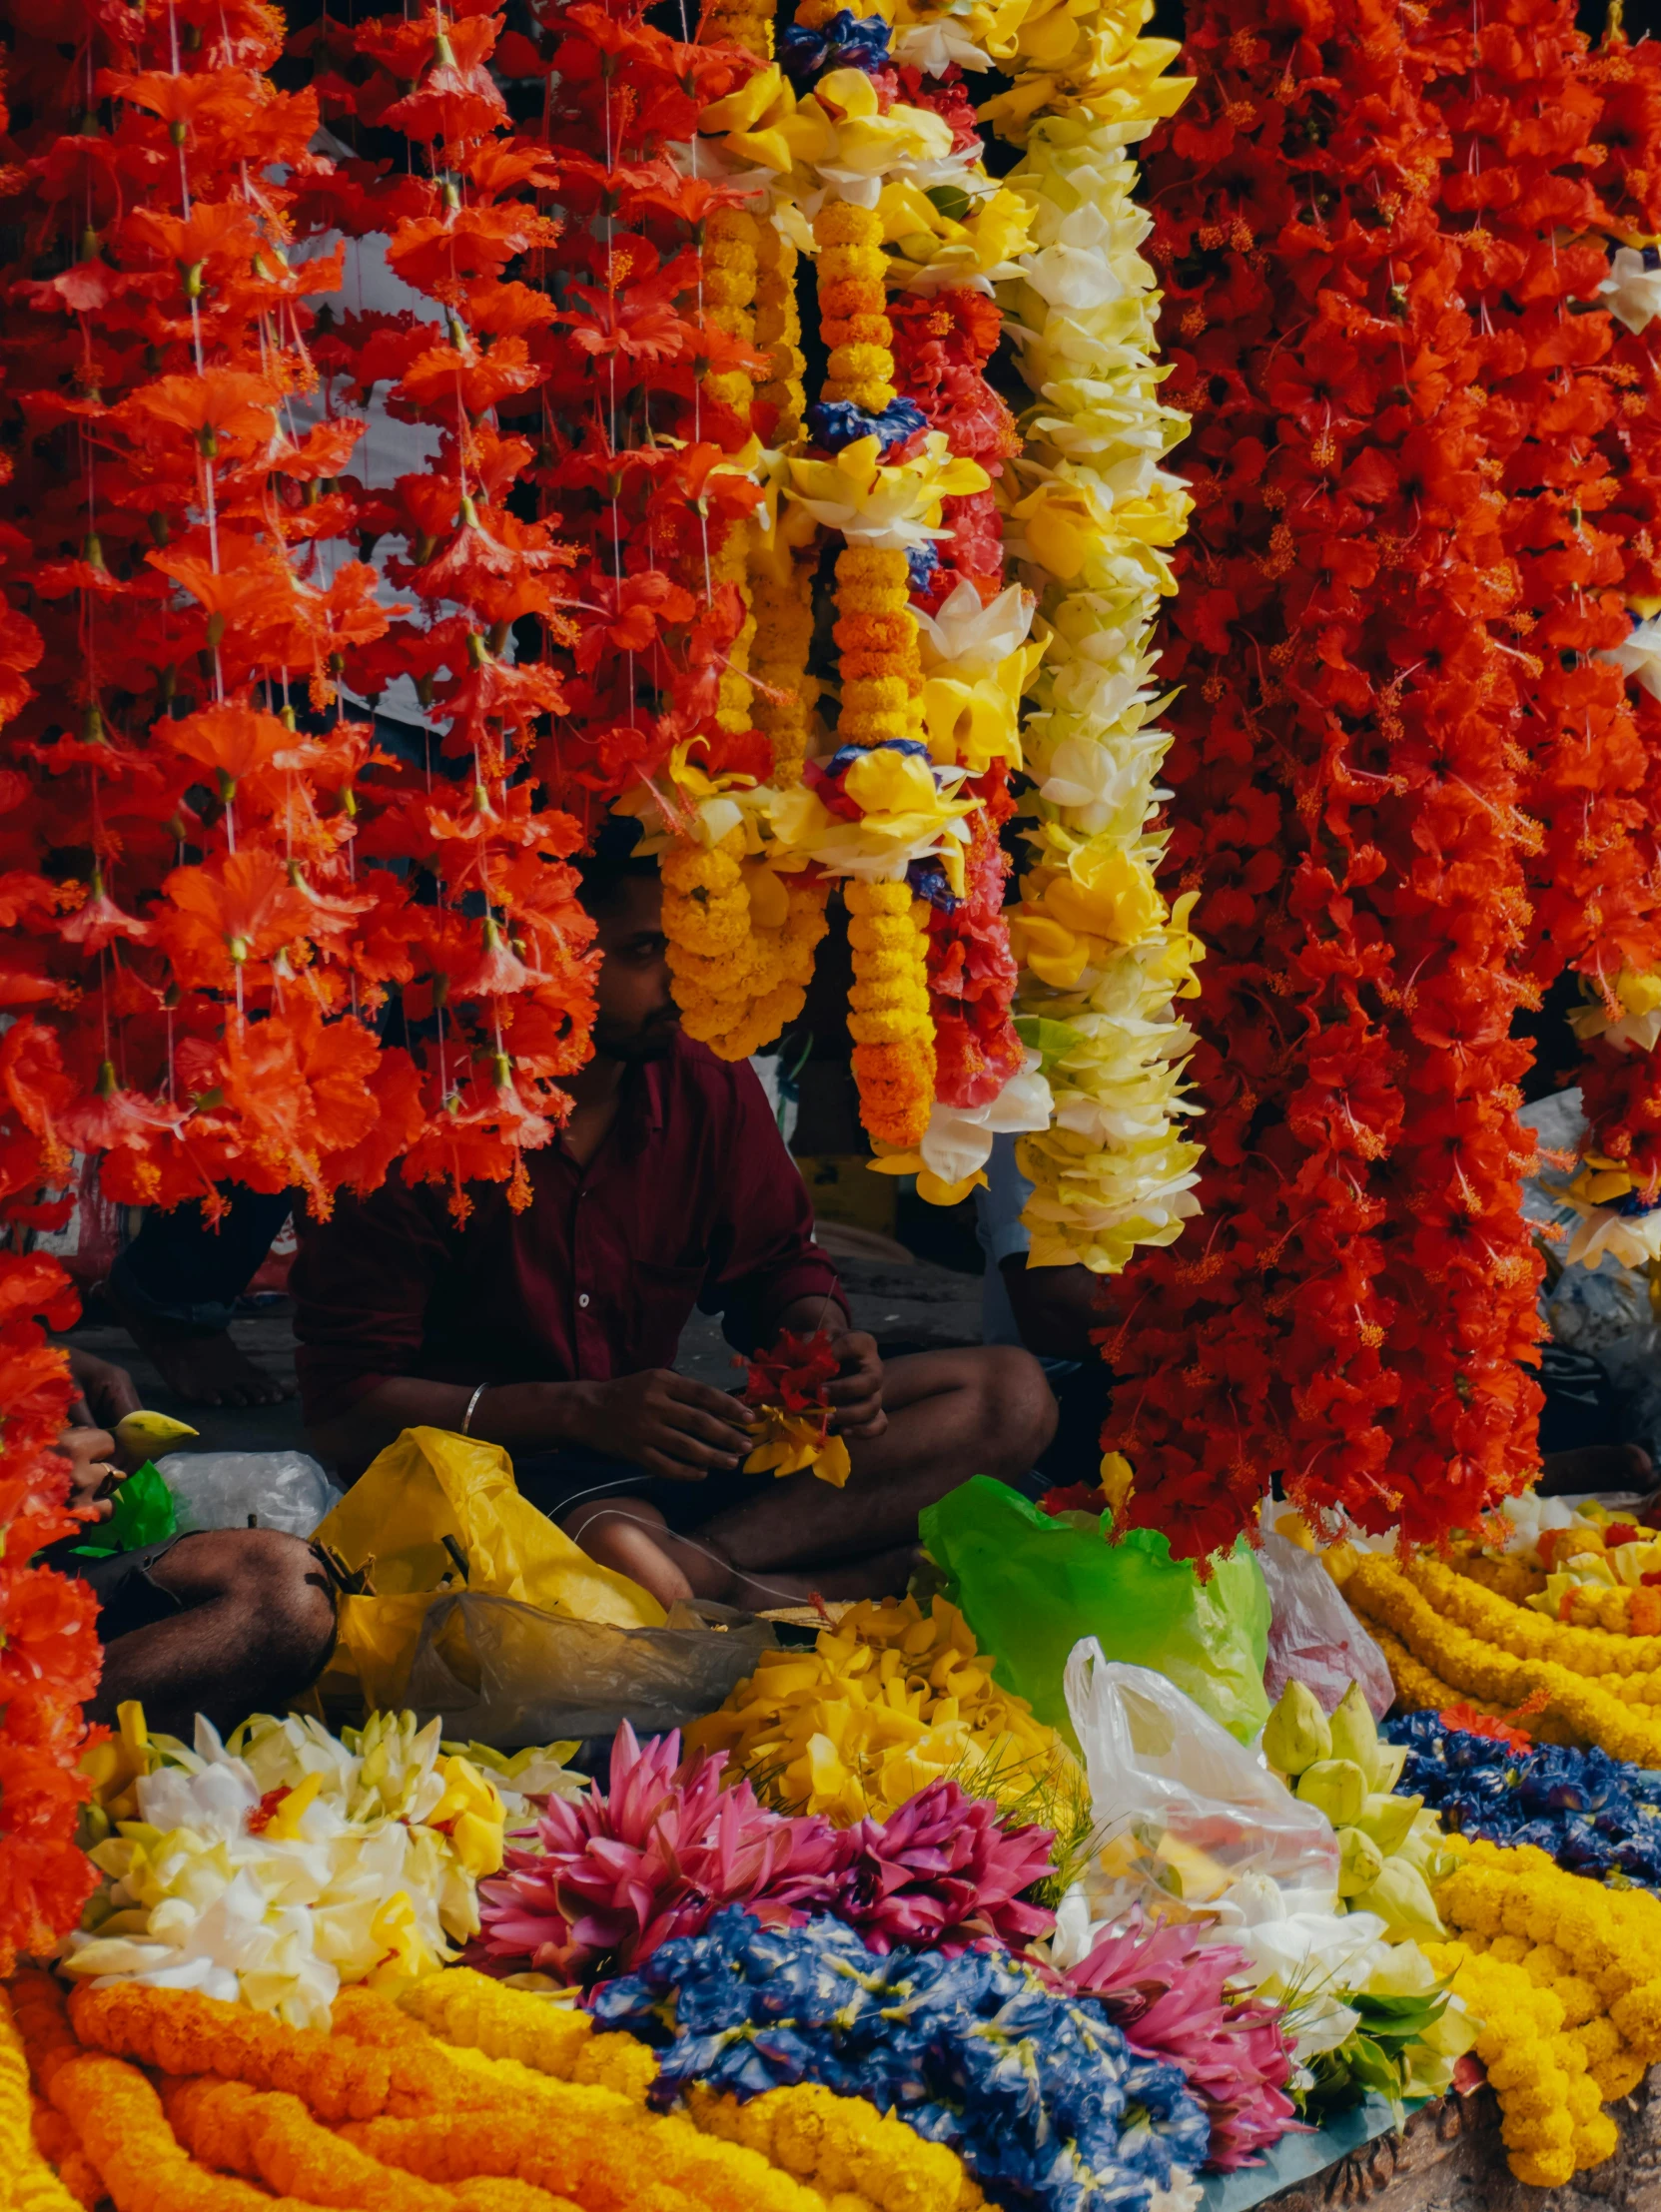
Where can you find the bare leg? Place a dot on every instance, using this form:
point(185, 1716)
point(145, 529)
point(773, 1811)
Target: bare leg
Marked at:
point(632, 1538)
point(258, 1625)
point(951, 1415)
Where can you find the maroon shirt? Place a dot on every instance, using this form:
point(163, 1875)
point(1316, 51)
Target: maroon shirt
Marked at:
point(692, 1199)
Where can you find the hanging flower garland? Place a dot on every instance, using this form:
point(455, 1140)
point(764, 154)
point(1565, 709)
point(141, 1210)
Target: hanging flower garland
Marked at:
point(215, 1029)
point(1617, 1190)
point(1090, 515)
point(1352, 1316)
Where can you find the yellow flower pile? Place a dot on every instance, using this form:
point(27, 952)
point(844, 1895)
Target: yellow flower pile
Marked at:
point(887, 1702)
point(852, 2157)
point(1594, 1952)
point(1469, 1642)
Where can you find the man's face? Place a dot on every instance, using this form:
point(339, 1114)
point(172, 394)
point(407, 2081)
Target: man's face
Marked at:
point(636, 1017)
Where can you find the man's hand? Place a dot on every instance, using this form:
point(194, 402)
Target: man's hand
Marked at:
point(92, 1474)
point(105, 1391)
point(857, 1391)
point(663, 1422)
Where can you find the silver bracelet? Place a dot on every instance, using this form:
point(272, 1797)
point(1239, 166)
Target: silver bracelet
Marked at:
point(473, 1407)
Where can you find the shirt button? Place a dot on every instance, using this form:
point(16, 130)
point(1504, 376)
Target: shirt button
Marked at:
point(584, 1301)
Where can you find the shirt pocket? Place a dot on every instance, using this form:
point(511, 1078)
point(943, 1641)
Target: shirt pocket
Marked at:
point(662, 1299)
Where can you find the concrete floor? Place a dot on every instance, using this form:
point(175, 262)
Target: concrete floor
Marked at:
point(908, 1308)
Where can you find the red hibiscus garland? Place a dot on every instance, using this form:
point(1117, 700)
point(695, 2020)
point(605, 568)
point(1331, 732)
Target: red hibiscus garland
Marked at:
point(1409, 790)
point(1347, 806)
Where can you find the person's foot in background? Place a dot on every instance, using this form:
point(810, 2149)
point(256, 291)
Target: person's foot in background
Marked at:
point(203, 1367)
point(174, 1288)
point(1598, 1467)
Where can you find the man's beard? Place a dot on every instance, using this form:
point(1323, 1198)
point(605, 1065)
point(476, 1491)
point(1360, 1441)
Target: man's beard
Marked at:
point(650, 1041)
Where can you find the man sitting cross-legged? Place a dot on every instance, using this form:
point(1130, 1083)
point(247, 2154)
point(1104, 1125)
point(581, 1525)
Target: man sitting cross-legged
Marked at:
point(553, 1331)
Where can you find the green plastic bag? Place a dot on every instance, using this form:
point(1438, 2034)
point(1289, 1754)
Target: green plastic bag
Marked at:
point(1030, 1586)
point(144, 1514)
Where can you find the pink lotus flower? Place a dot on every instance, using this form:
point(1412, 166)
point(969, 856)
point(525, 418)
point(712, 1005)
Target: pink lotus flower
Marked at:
point(1167, 1992)
point(941, 1872)
point(613, 1875)
point(616, 1873)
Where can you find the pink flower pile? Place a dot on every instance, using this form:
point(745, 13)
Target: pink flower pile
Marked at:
point(610, 1876)
point(1167, 1993)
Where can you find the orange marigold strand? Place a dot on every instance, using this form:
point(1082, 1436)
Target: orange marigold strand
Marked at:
point(182, 2032)
point(600, 2176)
point(125, 2134)
point(270, 2136)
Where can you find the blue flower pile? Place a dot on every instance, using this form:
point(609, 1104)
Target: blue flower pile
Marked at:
point(1038, 2092)
point(1593, 1814)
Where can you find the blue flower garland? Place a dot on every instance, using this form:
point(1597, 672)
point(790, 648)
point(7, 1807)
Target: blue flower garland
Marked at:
point(1595, 1815)
point(1038, 2092)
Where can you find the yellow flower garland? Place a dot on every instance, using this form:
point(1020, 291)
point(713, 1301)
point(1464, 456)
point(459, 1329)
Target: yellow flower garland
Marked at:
point(882, 684)
point(1092, 514)
point(31, 2184)
point(1597, 1951)
point(889, 1016)
point(1551, 2124)
point(1616, 1710)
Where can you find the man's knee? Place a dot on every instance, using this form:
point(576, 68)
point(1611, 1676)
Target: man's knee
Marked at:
point(276, 1583)
point(1016, 1407)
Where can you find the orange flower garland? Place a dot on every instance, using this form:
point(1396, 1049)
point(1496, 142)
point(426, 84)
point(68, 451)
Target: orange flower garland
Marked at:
point(379, 2116)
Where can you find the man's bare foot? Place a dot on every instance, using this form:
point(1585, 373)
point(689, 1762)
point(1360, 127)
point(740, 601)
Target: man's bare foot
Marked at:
point(632, 1538)
point(201, 1369)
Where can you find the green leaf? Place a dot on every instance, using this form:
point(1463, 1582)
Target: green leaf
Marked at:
point(1051, 1040)
point(952, 201)
point(143, 1514)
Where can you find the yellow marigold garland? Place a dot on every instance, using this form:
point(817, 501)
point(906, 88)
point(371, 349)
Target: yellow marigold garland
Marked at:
point(383, 2117)
point(1551, 2124)
point(741, 943)
point(882, 685)
point(889, 1019)
point(32, 2186)
point(1616, 1710)
point(1597, 1951)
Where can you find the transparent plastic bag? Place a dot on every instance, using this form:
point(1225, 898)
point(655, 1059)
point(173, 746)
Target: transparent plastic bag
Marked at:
point(1181, 1810)
point(507, 1673)
point(218, 1490)
point(1314, 1637)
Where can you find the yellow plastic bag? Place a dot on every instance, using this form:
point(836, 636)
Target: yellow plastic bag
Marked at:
point(429, 1485)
